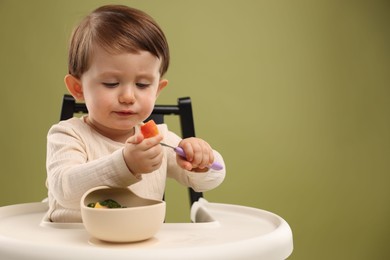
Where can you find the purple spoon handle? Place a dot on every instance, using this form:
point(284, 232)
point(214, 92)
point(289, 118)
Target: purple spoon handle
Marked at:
point(215, 165)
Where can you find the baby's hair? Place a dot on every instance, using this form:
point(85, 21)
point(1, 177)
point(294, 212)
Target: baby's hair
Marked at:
point(117, 29)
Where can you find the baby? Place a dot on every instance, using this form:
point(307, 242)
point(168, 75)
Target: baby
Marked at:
point(117, 59)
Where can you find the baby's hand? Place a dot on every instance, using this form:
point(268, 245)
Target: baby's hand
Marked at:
point(143, 155)
point(199, 155)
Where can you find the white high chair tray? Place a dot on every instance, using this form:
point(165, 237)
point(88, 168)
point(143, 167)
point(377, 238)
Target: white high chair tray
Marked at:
point(233, 232)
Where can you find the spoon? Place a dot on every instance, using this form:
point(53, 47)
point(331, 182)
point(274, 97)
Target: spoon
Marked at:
point(215, 165)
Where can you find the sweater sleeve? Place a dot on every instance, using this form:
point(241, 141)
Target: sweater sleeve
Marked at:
point(71, 171)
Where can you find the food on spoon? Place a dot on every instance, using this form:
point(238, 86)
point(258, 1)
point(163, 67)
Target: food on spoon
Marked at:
point(149, 129)
point(105, 204)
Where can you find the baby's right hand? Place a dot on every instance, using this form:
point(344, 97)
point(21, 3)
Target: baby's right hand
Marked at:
point(143, 155)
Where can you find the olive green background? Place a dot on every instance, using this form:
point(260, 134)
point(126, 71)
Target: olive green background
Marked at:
point(294, 94)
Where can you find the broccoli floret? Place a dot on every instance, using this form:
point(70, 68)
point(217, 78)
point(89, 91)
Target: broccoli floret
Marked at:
point(110, 203)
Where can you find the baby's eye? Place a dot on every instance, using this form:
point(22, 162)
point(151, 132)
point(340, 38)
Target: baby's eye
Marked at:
point(110, 85)
point(142, 85)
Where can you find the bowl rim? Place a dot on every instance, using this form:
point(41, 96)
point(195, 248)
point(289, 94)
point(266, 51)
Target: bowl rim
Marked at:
point(157, 203)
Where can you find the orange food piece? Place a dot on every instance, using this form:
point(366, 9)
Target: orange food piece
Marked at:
point(149, 129)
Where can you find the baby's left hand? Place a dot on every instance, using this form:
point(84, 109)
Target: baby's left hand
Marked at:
point(199, 155)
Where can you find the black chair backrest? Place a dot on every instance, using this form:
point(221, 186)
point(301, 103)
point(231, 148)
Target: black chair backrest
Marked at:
point(183, 109)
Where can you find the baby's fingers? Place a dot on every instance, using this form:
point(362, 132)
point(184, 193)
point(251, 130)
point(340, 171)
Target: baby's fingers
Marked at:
point(199, 154)
point(183, 163)
point(137, 137)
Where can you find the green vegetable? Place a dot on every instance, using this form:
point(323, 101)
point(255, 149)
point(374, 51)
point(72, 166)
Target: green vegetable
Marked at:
point(109, 203)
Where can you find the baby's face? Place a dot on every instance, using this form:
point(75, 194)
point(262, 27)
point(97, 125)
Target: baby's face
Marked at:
point(120, 90)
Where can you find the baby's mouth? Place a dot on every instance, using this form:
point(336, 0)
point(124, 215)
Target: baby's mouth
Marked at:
point(125, 113)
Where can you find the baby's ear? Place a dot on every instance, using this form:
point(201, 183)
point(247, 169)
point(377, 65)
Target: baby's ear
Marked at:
point(161, 85)
point(74, 86)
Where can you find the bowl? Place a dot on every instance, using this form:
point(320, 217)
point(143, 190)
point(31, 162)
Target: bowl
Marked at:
point(139, 220)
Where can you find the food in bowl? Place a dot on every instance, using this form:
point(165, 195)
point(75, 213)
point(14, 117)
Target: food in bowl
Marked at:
point(106, 204)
